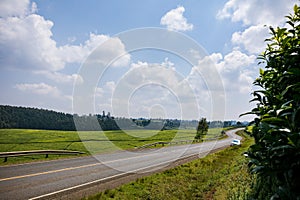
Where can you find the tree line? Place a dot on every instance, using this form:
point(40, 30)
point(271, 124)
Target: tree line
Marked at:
point(34, 118)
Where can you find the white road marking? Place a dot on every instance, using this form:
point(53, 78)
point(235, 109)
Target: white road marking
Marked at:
point(89, 165)
point(110, 177)
point(65, 169)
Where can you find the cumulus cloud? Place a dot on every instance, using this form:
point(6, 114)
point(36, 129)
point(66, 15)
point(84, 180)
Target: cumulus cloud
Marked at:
point(103, 95)
point(251, 39)
point(235, 71)
point(255, 12)
point(174, 20)
point(26, 41)
point(111, 52)
point(60, 77)
point(235, 60)
point(106, 91)
point(39, 88)
point(246, 79)
point(147, 85)
point(257, 16)
point(11, 8)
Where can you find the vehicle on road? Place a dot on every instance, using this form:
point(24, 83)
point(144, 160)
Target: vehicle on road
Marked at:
point(235, 142)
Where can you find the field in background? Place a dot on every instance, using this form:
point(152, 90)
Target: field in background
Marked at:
point(86, 141)
point(222, 175)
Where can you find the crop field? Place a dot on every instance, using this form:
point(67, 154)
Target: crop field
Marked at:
point(90, 142)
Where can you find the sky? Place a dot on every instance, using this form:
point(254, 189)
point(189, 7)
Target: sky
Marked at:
point(154, 59)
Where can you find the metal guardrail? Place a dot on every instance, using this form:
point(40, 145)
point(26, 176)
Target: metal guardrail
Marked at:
point(178, 142)
point(5, 155)
point(173, 142)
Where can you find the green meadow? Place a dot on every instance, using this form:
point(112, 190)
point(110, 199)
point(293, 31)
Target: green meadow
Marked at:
point(90, 142)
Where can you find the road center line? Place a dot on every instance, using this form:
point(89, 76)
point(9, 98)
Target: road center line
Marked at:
point(108, 178)
point(66, 169)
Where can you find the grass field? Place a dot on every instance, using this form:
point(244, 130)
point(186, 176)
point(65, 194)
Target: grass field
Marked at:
point(222, 175)
point(89, 142)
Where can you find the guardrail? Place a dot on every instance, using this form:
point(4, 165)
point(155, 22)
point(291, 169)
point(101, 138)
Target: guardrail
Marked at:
point(5, 155)
point(178, 142)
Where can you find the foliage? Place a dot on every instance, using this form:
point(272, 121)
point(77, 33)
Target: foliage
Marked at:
point(21, 117)
point(33, 118)
point(202, 128)
point(275, 156)
point(222, 175)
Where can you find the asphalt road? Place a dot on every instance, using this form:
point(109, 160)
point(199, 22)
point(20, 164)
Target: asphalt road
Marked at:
point(45, 179)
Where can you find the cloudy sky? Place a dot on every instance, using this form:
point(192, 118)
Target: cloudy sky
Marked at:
point(47, 49)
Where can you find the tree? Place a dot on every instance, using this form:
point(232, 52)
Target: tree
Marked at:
point(275, 156)
point(201, 129)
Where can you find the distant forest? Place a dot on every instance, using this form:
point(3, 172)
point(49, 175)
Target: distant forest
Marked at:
point(33, 118)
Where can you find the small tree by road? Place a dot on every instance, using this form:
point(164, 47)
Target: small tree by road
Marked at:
point(202, 129)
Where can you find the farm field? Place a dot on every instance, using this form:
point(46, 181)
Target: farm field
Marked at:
point(90, 142)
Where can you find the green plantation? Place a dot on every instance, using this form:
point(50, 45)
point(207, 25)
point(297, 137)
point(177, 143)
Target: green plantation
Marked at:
point(86, 141)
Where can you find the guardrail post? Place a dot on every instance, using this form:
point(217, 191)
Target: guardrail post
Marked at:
point(5, 159)
point(47, 155)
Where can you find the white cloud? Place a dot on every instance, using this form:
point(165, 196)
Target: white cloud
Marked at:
point(146, 85)
point(235, 60)
point(163, 73)
point(257, 16)
point(205, 73)
point(39, 88)
point(11, 8)
point(103, 95)
point(174, 20)
point(252, 39)
point(112, 51)
point(235, 70)
point(216, 72)
point(106, 90)
point(60, 77)
point(255, 12)
point(26, 42)
point(245, 79)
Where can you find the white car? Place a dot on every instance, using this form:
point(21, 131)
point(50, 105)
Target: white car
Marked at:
point(235, 142)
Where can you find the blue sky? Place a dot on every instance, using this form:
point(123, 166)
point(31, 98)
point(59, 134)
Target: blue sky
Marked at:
point(44, 45)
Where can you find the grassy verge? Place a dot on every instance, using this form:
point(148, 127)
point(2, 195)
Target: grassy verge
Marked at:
point(222, 175)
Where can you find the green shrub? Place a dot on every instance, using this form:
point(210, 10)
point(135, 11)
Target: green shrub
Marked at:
point(275, 156)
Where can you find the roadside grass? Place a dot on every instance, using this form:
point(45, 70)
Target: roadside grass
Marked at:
point(222, 175)
point(90, 142)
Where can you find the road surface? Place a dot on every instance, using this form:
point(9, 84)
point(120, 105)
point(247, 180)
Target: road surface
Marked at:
point(43, 180)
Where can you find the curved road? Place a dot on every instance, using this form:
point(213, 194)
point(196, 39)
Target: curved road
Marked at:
point(46, 179)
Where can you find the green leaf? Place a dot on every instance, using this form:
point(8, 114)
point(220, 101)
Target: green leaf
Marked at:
point(261, 71)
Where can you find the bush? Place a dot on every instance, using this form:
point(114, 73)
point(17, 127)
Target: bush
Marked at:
point(275, 156)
